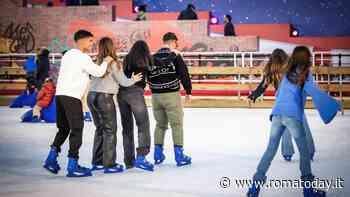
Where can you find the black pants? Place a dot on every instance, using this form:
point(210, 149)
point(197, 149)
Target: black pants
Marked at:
point(70, 123)
point(103, 111)
point(131, 102)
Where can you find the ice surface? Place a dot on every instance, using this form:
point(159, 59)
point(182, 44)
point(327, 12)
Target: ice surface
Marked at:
point(222, 142)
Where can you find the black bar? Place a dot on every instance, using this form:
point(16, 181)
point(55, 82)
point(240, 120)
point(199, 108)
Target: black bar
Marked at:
point(114, 15)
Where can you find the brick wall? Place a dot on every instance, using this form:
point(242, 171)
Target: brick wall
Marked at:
point(5, 4)
point(53, 27)
point(36, 27)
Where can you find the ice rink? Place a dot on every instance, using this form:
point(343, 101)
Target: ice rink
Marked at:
point(222, 143)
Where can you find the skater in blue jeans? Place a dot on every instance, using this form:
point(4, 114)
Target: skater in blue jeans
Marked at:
point(272, 75)
point(288, 113)
point(287, 144)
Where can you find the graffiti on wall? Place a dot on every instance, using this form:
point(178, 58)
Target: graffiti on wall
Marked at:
point(21, 37)
point(130, 34)
point(59, 45)
point(126, 33)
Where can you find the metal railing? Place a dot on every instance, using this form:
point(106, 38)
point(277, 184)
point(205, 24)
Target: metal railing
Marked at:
point(230, 61)
point(242, 59)
point(216, 59)
point(219, 59)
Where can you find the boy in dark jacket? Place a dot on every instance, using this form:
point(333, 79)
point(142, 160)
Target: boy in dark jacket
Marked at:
point(164, 79)
point(188, 14)
point(229, 28)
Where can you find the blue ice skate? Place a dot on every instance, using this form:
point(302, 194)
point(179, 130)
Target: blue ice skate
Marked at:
point(180, 158)
point(115, 169)
point(159, 156)
point(75, 170)
point(142, 163)
point(51, 163)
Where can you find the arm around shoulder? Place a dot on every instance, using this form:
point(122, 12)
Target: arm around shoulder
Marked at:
point(93, 69)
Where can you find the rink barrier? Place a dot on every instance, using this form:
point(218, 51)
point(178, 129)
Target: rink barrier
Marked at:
point(238, 79)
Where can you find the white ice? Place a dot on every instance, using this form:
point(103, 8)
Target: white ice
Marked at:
point(222, 143)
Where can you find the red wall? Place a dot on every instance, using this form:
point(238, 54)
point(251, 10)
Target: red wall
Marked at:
point(276, 31)
point(323, 43)
point(44, 2)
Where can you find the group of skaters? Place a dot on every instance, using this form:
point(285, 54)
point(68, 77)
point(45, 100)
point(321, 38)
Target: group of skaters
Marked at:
point(164, 71)
point(106, 78)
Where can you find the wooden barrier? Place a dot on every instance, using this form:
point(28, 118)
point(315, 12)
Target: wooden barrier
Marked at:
point(12, 71)
point(216, 70)
point(259, 70)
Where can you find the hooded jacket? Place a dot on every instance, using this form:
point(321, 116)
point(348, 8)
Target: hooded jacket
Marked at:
point(168, 71)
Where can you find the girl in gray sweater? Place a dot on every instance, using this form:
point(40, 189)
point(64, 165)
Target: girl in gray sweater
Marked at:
point(102, 107)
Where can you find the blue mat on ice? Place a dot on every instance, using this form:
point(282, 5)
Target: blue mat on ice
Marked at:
point(24, 100)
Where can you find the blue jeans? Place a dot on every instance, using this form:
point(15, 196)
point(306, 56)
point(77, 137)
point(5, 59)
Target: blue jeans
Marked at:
point(287, 144)
point(295, 127)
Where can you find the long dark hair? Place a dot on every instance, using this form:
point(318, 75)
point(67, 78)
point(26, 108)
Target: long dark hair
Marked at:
point(139, 56)
point(43, 56)
point(106, 48)
point(275, 67)
point(299, 65)
point(44, 52)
